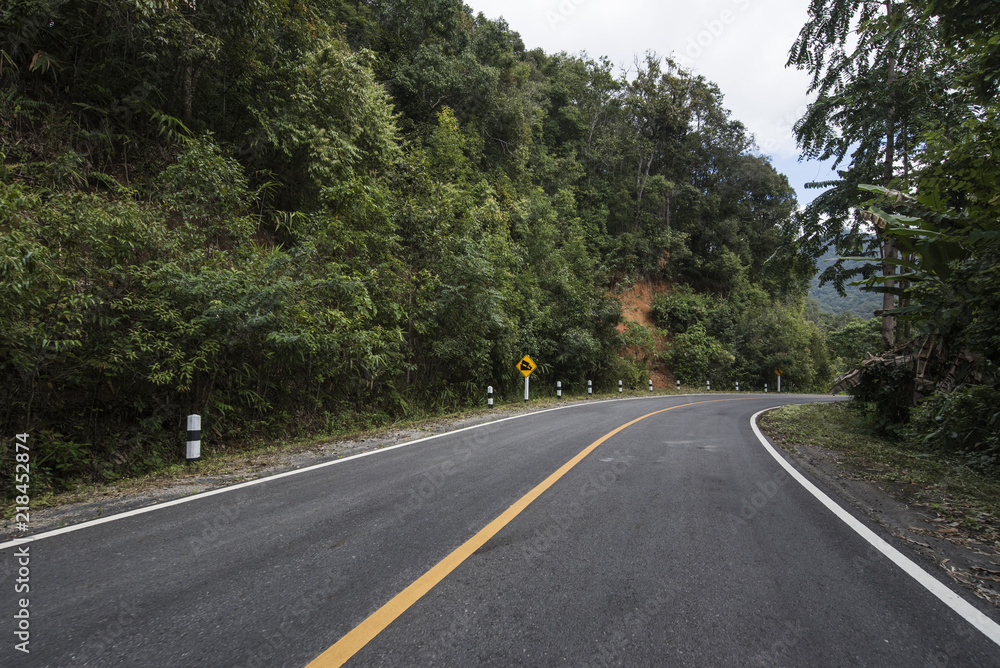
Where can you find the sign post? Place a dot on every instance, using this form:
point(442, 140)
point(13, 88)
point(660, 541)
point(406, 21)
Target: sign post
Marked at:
point(778, 372)
point(526, 366)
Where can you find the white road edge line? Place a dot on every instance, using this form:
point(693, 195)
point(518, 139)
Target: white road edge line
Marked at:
point(967, 611)
point(222, 490)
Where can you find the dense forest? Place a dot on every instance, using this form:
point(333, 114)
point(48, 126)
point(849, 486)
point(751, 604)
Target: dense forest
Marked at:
point(299, 219)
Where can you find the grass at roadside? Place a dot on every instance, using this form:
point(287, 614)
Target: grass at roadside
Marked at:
point(924, 478)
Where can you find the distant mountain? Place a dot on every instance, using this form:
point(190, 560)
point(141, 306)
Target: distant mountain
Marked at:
point(860, 303)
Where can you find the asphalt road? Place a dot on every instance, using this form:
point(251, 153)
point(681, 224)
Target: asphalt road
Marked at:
point(678, 541)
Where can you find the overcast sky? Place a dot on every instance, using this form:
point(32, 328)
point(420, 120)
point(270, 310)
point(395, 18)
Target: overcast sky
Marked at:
point(741, 45)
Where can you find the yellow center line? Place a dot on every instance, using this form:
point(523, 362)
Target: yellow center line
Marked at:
point(364, 632)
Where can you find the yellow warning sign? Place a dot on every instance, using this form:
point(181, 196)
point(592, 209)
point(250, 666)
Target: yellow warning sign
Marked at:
point(526, 366)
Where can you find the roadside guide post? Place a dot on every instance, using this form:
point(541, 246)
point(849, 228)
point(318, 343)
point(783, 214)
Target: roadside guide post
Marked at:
point(489, 396)
point(590, 388)
point(193, 438)
point(778, 372)
point(558, 389)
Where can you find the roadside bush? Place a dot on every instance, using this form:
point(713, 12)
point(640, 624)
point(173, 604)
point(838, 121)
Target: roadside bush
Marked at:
point(695, 356)
point(633, 375)
point(886, 396)
point(681, 308)
point(965, 421)
point(851, 343)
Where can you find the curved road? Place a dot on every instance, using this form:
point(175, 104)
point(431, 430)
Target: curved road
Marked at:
point(678, 540)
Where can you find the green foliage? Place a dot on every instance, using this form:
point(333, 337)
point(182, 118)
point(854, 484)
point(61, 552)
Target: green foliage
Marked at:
point(756, 334)
point(906, 89)
point(854, 300)
point(208, 190)
point(965, 422)
point(885, 396)
point(767, 337)
point(878, 81)
point(694, 355)
point(292, 218)
point(681, 308)
point(855, 341)
point(640, 343)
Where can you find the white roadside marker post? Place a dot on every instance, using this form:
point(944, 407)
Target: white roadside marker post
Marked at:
point(590, 388)
point(650, 384)
point(193, 438)
point(558, 389)
point(489, 396)
point(619, 387)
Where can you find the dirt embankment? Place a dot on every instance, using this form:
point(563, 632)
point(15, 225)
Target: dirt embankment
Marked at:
point(637, 303)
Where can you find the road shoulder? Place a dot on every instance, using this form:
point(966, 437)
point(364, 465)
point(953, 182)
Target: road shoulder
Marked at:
point(921, 516)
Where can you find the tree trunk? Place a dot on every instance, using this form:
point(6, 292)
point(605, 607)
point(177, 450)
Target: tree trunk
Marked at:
point(888, 300)
point(888, 250)
point(188, 93)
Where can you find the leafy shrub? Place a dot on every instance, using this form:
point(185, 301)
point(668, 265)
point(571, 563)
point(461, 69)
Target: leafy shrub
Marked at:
point(886, 396)
point(696, 356)
point(681, 308)
point(851, 343)
point(965, 421)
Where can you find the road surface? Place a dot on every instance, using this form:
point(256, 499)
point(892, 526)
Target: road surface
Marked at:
point(678, 540)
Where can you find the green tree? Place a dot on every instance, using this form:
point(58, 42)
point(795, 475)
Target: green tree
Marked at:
point(873, 65)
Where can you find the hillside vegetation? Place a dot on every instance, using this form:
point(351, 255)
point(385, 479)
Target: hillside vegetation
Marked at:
point(854, 301)
point(298, 218)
